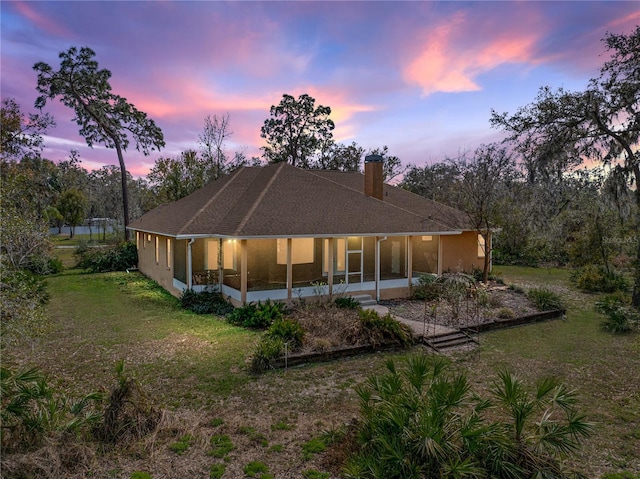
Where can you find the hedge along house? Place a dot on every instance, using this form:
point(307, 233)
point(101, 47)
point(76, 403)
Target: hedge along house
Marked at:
point(281, 233)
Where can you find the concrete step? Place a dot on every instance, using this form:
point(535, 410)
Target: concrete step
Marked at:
point(365, 299)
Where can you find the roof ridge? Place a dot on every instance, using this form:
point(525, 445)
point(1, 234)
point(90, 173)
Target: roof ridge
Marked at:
point(385, 202)
point(207, 203)
point(256, 203)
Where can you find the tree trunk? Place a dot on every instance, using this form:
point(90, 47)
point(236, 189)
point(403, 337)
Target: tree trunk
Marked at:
point(635, 296)
point(125, 194)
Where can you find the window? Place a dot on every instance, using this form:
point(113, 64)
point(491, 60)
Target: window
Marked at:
point(157, 249)
point(427, 238)
point(138, 239)
point(229, 254)
point(481, 246)
point(211, 254)
point(168, 253)
point(302, 250)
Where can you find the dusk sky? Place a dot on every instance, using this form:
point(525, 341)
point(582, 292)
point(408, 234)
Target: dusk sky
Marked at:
point(420, 77)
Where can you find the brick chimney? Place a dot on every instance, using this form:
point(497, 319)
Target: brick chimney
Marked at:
point(373, 176)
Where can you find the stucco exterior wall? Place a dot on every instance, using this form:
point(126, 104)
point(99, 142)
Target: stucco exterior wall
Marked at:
point(159, 270)
point(460, 252)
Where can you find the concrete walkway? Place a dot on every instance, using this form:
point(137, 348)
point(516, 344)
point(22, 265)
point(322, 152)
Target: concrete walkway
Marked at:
point(418, 328)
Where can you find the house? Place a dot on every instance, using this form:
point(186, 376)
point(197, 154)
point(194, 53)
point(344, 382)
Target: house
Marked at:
point(282, 233)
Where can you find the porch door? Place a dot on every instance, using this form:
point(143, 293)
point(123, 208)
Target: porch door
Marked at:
point(355, 259)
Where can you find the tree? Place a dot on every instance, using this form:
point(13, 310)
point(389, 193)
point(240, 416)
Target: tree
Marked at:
point(297, 131)
point(436, 182)
point(391, 165)
point(72, 205)
point(212, 139)
point(103, 116)
point(480, 183)
point(175, 178)
point(341, 157)
point(601, 123)
point(20, 136)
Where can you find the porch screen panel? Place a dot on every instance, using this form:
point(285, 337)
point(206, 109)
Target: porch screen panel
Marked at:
point(231, 263)
point(180, 261)
point(393, 258)
point(211, 255)
point(425, 254)
point(263, 270)
point(306, 259)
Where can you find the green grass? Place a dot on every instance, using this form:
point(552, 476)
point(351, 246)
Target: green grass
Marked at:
point(188, 362)
point(103, 318)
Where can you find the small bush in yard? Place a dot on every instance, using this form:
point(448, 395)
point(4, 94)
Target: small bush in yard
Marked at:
point(113, 258)
point(288, 330)
point(621, 318)
point(140, 475)
point(594, 279)
point(346, 302)
point(384, 329)
point(427, 289)
point(506, 313)
point(258, 316)
point(545, 299)
point(267, 351)
point(205, 302)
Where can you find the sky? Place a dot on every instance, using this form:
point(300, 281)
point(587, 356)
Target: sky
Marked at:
point(419, 77)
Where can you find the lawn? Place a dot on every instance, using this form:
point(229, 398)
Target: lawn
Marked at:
point(194, 367)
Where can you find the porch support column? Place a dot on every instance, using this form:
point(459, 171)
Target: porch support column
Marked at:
point(379, 239)
point(289, 269)
point(330, 266)
point(410, 263)
point(439, 269)
point(243, 271)
point(189, 264)
point(220, 268)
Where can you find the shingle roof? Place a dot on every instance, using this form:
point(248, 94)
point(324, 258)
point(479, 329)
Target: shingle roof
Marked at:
point(281, 200)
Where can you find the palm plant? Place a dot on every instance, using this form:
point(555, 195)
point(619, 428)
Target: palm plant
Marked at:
point(536, 430)
point(424, 421)
point(417, 422)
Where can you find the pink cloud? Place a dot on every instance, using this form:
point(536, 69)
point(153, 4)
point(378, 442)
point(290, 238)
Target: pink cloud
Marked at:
point(41, 21)
point(442, 63)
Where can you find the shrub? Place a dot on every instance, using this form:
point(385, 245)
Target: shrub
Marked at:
point(112, 258)
point(43, 264)
point(31, 410)
point(288, 330)
point(506, 313)
point(346, 302)
point(594, 279)
point(385, 329)
point(205, 302)
point(267, 351)
point(545, 299)
point(427, 289)
point(423, 420)
point(621, 318)
point(129, 413)
point(258, 316)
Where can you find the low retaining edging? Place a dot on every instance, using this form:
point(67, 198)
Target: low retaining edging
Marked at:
point(508, 323)
point(299, 359)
